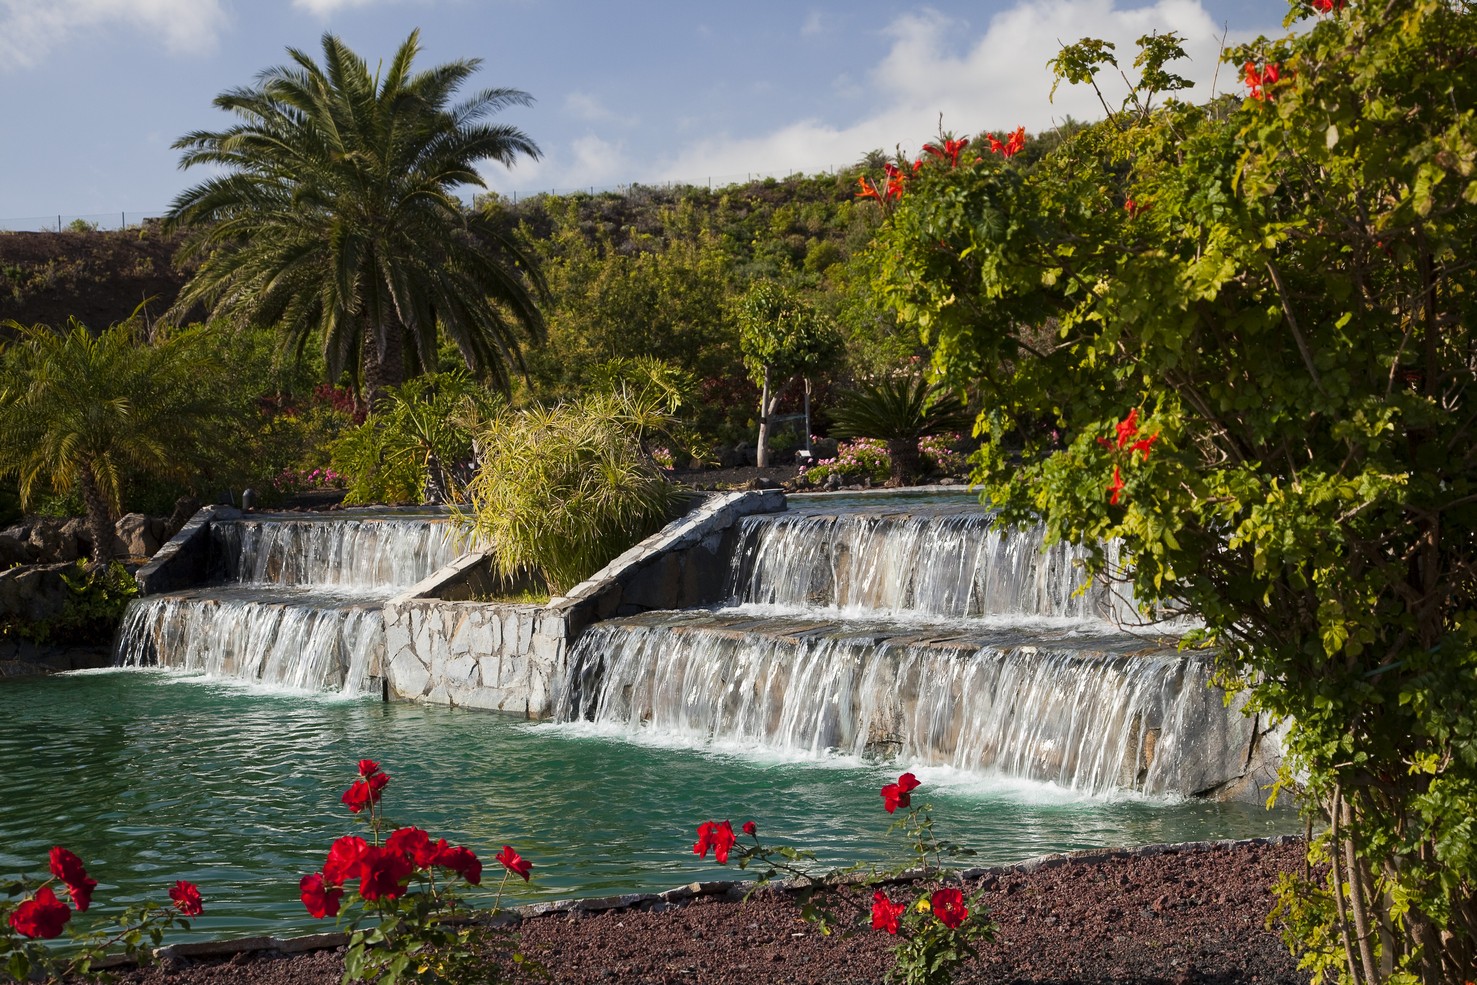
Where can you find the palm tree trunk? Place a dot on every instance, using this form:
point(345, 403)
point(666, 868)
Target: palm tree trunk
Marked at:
point(99, 516)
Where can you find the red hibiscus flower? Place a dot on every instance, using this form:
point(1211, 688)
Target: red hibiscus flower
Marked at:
point(42, 916)
point(186, 896)
point(345, 860)
point(462, 861)
point(321, 899)
point(751, 829)
point(717, 836)
point(384, 874)
point(368, 767)
point(885, 912)
point(899, 794)
point(514, 862)
point(948, 906)
point(69, 869)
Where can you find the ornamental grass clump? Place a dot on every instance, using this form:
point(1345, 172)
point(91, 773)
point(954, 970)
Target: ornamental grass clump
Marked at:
point(563, 490)
point(936, 923)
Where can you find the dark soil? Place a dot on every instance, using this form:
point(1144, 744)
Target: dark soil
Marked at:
point(98, 277)
point(1183, 916)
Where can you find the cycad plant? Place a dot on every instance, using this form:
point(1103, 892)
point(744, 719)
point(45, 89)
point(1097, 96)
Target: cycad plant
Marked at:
point(80, 410)
point(563, 490)
point(899, 410)
point(334, 217)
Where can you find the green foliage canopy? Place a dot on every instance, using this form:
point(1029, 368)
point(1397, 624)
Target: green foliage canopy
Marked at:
point(1282, 290)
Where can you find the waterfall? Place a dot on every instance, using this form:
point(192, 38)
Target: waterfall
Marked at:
point(302, 604)
point(922, 636)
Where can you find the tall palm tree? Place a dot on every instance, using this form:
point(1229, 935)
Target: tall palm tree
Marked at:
point(334, 217)
point(80, 410)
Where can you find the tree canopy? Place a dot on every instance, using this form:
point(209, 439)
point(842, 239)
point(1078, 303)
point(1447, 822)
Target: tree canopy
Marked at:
point(335, 219)
point(1238, 339)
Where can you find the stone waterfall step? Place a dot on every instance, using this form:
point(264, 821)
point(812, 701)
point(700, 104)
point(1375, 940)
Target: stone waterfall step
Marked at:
point(1076, 704)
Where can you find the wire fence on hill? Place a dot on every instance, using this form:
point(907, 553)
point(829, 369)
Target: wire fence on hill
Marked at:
point(129, 219)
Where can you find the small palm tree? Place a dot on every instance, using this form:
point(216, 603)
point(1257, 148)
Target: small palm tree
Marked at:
point(79, 411)
point(335, 218)
point(899, 410)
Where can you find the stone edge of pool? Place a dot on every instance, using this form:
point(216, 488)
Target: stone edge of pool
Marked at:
point(678, 896)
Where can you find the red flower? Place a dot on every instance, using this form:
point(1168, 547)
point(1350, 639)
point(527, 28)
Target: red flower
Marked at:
point(1328, 6)
point(1115, 487)
point(751, 829)
point(885, 912)
point(414, 844)
point(69, 869)
point(949, 152)
point(1259, 81)
point(462, 861)
point(384, 874)
point(321, 899)
point(186, 896)
point(1135, 208)
point(514, 862)
point(368, 767)
point(719, 837)
point(365, 792)
point(1012, 145)
point(948, 906)
point(1143, 445)
point(43, 915)
point(899, 794)
point(1127, 428)
point(869, 190)
point(345, 860)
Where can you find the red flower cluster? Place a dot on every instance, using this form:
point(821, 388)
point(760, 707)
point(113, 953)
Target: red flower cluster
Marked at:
point(948, 906)
point(717, 836)
point(892, 190)
point(899, 794)
point(950, 152)
point(186, 897)
point(1012, 145)
point(1328, 6)
point(1125, 433)
point(1260, 80)
point(383, 871)
point(367, 790)
point(42, 916)
point(69, 869)
point(1135, 208)
point(886, 913)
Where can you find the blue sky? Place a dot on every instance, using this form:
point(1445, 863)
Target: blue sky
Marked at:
point(94, 92)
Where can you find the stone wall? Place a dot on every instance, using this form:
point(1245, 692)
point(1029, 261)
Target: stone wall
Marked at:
point(186, 561)
point(443, 650)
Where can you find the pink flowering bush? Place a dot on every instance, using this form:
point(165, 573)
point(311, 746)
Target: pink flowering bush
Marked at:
point(864, 458)
point(935, 921)
point(940, 454)
point(307, 480)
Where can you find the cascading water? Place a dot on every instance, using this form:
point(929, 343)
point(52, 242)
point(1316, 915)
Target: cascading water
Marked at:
point(301, 606)
point(922, 635)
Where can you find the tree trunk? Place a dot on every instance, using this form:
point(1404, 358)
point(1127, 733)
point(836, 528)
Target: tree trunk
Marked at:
point(99, 517)
point(761, 456)
point(808, 449)
point(383, 357)
point(904, 455)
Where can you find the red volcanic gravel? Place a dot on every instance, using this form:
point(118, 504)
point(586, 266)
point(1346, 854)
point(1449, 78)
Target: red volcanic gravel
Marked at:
point(1186, 915)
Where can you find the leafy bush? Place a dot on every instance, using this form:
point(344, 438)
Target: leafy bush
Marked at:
point(854, 461)
point(561, 491)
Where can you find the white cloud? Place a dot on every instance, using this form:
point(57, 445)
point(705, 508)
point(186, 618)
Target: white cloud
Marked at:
point(591, 109)
point(31, 29)
point(326, 8)
point(996, 79)
point(815, 23)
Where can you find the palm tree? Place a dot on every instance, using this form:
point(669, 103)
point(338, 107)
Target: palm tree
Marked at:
point(79, 411)
point(899, 410)
point(334, 217)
